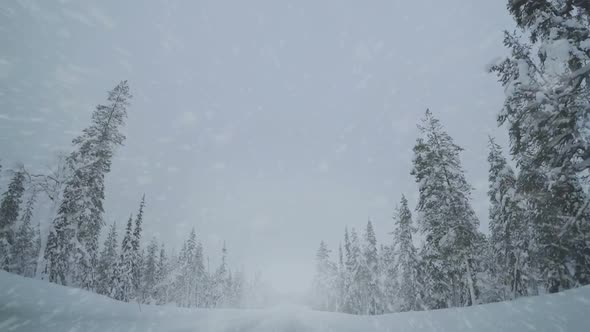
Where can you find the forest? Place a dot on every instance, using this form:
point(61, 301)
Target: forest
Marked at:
point(436, 255)
point(539, 220)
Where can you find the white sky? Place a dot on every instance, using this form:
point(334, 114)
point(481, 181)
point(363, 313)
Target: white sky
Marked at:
point(268, 124)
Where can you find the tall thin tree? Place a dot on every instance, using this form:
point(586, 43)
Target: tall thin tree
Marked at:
point(72, 254)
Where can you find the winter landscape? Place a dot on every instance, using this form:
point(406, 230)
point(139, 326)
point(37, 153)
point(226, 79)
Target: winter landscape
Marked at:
point(270, 166)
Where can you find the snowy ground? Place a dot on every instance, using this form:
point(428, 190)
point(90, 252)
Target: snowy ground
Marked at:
point(32, 305)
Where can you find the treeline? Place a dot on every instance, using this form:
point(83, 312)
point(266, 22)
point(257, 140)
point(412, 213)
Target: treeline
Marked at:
point(539, 215)
point(70, 254)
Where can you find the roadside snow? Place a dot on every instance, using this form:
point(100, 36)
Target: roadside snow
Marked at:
point(33, 305)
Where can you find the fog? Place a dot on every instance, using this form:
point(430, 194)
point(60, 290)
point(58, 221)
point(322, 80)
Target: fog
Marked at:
point(270, 125)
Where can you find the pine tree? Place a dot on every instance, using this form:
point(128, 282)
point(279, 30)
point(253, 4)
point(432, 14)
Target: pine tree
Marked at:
point(221, 286)
point(509, 231)
point(349, 266)
point(391, 286)
point(150, 275)
point(162, 282)
point(356, 295)
point(238, 289)
point(325, 290)
point(191, 278)
point(201, 275)
point(136, 246)
point(38, 243)
point(136, 239)
point(341, 281)
point(546, 110)
point(406, 259)
point(138, 277)
point(72, 256)
point(180, 288)
point(124, 289)
point(24, 249)
point(447, 221)
point(107, 263)
point(9, 212)
point(52, 185)
point(372, 279)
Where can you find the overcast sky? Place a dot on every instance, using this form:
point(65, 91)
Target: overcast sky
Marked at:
point(269, 124)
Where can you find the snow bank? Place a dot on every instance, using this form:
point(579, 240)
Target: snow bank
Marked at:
point(33, 305)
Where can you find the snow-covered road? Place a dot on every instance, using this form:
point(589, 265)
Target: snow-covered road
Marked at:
point(32, 305)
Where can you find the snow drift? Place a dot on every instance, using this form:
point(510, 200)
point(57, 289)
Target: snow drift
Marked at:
point(33, 305)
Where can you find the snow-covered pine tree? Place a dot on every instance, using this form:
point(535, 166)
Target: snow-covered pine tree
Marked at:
point(324, 283)
point(179, 289)
point(123, 289)
point(201, 276)
point(346, 298)
point(38, 244)
point(72, 256)
point(221, 286)
point(136, 249)
point(509, 234)
point(138, 286)
point(107, 263)
point(390, 280)
point(356, 294)
point(9, 212)
point(52, 185)
point(189, 277)
point(150, 273)
point(406, 260)
point(447, 221)
point(372, 285)
point(238, 289)
point(227, 278)
point(341, 283)
point(162, 281)
point(207, 289)
point(24, 249)
point(547, 113)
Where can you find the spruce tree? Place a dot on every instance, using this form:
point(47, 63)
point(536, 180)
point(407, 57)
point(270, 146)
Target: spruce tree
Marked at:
point(9, 212)
point(24, 249)
point(180, 288)
point(391, 301)
point(191, 294)
point(107, 262)
point(546, 111)
point(447, 221)
point(136, 248)
point(125, 286)
point(509, 234)
point(356, 294)
point(162, 282)
point(150, 275)
point(38, 242)
point(347, 304)
point(238, 289)
point(221, 281)
point(72, 254)
point(138, 277)
point(372, 277)
point(324, 284)
point(201, 275)
point(406, 259)
point(341, 283)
